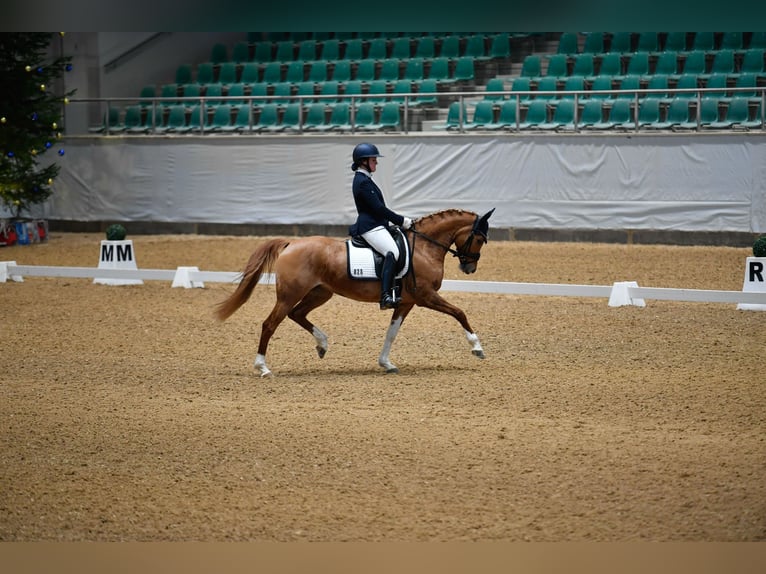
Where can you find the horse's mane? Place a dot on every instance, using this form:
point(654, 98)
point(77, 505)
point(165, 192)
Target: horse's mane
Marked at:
point(444, 213)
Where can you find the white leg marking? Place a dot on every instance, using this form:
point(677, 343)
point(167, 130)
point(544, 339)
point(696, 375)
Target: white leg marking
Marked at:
point(383, 361)
point(473, 340)
point(260, 364)
point(321, 340)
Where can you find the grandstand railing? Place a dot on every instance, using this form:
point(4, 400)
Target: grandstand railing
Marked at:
point(409, 108)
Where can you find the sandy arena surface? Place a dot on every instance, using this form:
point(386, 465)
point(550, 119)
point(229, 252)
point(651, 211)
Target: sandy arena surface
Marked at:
point(129, 414)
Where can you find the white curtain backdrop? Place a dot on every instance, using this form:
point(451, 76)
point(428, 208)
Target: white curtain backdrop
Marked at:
point(645, 182)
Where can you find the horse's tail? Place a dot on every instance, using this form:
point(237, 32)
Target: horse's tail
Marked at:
point(262, 260)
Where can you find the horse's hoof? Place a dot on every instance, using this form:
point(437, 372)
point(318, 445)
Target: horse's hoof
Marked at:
point(478, 353)
point(392, 371)
point(321, 352)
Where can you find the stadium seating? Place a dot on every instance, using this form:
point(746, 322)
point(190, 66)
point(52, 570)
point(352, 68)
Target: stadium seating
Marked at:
point(345, 64)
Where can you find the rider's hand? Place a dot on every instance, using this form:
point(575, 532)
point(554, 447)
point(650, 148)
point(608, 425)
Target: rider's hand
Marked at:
point(407, 223)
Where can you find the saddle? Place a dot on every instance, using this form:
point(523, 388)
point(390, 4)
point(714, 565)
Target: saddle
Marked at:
point(365, 263)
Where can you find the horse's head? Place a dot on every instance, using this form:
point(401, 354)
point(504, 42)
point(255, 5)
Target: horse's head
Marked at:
point(470, 241)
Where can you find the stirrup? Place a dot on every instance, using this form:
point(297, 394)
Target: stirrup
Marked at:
point(388, 302)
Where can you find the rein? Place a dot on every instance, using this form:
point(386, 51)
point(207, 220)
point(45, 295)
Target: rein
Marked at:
point(462, 252)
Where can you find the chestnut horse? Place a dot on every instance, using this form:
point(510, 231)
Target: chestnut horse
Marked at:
point(310, 270)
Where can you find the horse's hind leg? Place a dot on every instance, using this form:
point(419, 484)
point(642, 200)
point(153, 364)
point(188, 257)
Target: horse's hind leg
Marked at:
point(270, 324)
point(317, 297)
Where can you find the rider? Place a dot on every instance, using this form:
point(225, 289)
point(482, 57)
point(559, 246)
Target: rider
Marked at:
point(373, 218)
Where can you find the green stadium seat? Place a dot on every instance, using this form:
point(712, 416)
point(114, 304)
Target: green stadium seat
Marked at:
point(353, 50)
point(621, 42)
point(704, 41)
point(583, 66)
point(616, 115)
point(667, 63)
point(537, 113)
point(227, 73)
point(390, 117)
point(307, 50)
point(426, 48)
point(219, 53)
point(594, 43)
point(316, 117)
point(507, 117)
point(413, 70)
point(240, 53)
point(675, 42)
point(495, 85)
point(563, 117)
point(295, 72)
point(389, 70)
point(568, 44)
point(731, 41)
point(610, 65)
point(341, 71)
point(205, 73)
point(599, 84)
point(318, 71)
point(427, 86)
point(330, 50)
point(531, 67)
point(648, 42)
point(592, 113)
point(221, 118)
point(457, 116)
point(268, 118)
point(557, 66)
point(364, 117)
point(464, 70)
point(401, 48)
point(263, 52)
point(365, 70)
point(546, 84)
point(285, 51)
point(183, 74)
point(250, 73)
point(450, 47)
point(378, 49)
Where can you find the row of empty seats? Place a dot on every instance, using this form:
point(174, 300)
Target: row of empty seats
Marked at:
point(678, 114)
point(267, 118)
point(628, 86)
point(497, 45)
point(643, 63)
point(415, 94)
point(627, 42)
point(442, 70)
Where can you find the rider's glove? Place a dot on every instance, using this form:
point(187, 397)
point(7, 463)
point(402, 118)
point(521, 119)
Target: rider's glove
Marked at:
point(407, 223)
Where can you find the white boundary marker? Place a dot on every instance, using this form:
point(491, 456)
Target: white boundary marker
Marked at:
point(619, 294)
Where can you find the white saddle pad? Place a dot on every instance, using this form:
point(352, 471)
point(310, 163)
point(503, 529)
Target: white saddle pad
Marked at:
point(361, 262)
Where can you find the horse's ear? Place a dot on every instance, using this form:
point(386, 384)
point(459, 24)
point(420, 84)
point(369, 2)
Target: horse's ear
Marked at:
point(482, 225)
point(485, 217)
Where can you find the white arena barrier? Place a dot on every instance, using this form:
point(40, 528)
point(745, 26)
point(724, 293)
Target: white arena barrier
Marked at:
point(619, 294)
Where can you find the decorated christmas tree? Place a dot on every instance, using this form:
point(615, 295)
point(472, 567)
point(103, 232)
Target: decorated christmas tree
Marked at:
point(31, 119)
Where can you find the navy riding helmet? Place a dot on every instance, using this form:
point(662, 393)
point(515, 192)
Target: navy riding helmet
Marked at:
point(362, 151)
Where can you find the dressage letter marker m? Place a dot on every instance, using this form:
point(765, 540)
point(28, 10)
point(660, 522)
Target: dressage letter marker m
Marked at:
point(117, 255)
point(755, 282)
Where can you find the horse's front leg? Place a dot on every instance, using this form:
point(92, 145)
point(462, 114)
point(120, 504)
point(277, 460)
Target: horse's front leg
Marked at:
point(393, 329)
point(438, 303)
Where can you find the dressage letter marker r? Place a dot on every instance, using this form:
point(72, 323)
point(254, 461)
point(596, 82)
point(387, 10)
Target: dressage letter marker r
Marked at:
point(755, 270)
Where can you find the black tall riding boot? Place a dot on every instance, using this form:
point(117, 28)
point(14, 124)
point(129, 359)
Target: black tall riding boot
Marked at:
point(387, 300)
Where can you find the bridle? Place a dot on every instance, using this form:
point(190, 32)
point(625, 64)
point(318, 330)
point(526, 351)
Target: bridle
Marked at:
point(463, 253)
